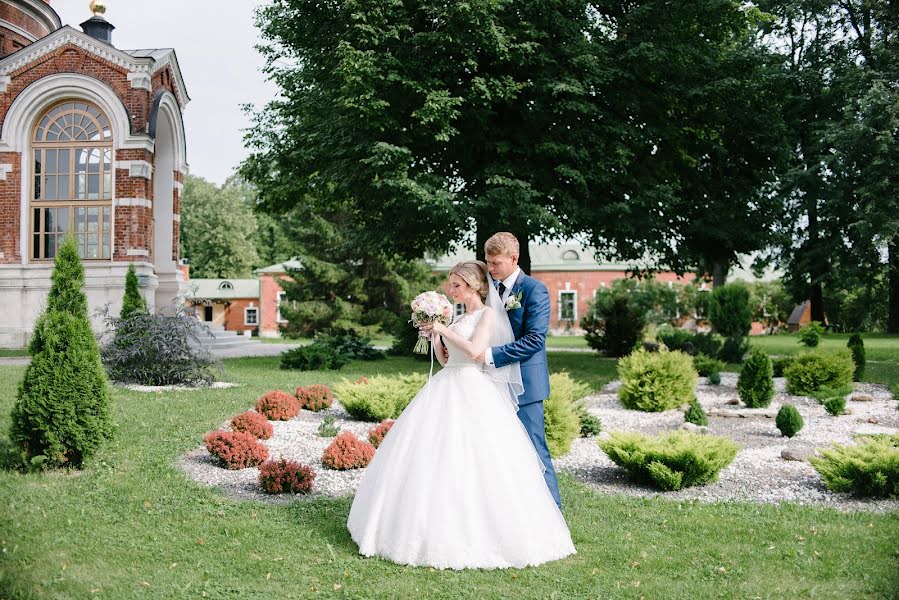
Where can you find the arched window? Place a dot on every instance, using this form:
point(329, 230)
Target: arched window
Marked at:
point(570, 255)
point(226, 285)
point(72, 183)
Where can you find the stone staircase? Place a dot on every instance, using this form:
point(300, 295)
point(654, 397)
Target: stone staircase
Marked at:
point(218, 340)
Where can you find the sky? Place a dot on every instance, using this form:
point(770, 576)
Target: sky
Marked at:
point(214, 41)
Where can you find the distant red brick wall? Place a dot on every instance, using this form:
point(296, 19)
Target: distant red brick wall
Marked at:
point(235, 315)
point(269, 289)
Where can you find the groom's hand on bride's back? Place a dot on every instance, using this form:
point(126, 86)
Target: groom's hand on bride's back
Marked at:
point(480, 358)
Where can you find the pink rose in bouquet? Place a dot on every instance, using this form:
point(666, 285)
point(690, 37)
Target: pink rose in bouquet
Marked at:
point(429, 307)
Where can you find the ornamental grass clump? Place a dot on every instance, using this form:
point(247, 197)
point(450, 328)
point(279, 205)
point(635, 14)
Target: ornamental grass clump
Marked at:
point(656, 381)
point(870, 468)
point(236, 449)
point(315, 397)
point(670, 461)
point(278, 406)
point(857, 347)
point(560, 413)
point(756, 383)
point(788, 420)
point(347, 452)
point(376, 434)
point(62, 414)
point(696, 414)
point(812, 372)
point(253, 423)
point(286, 477)
point(379, 397)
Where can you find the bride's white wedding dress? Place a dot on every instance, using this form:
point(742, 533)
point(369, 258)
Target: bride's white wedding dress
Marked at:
point(457, 484)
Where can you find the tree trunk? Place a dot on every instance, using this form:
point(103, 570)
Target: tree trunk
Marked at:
point(893, 266)
point(720, 269)
point(486, 229)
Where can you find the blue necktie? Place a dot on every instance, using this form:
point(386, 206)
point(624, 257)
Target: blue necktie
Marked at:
point(501, 288)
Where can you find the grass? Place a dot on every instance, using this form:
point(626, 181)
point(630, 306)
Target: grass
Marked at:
point(13, 352)
point(566, 341)
point(878, 346)
point(131, 525)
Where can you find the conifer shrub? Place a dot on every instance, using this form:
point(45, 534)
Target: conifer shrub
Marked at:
point(613, 324)
point(315, 397)
point(253, 423)
point(835, 405)
point(350, 344)
point(347, 452)
point(236, 449)
point(656, 381)
point(379, 397)
point(810, 335)
point(590, 424)
point(857, 347)
point(376, 434)
point(734, 349)
point(714, 378)
point(788, 420)
point(328, 427)
point(707, 343)
point(756, 383)
point(132, 302)
point(696, 414)
point(313, 358)
point(869, 468)
point(560, 413)
point(278, 406)
point(62, 413)
point(780, 364)
point(670, 461)
point(676, 338)
point(706, 365)
point(729, 311)
point(286, 477)
point(811, 372)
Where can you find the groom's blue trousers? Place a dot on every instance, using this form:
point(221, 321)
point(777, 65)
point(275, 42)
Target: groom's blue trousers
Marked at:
point(531, 416)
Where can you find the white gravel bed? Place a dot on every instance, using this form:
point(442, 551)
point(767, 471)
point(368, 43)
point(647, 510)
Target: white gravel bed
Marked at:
point(758, 473)
point(215, 385)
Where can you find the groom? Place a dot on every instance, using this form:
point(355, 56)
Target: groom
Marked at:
point(527, 304)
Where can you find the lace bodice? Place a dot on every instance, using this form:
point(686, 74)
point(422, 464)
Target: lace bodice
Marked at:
point(463, 325)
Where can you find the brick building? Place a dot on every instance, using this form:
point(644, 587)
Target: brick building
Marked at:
point(91, 141)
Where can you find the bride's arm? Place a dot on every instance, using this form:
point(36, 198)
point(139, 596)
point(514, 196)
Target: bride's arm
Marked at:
point(440, 350)
point(477, 344)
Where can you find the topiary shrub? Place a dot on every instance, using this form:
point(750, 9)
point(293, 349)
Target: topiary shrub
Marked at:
point(870, 468)
point(729, 311)
point(707, 343)
point(675, 338)
point(253, 423)
point(715, 378)
point(313, 358)
point(590, 424)
point(756, 383)
point(315, 397)
point(376, 434)
point(613, 324)
point(656, 381)
point(811, 372)
point(810, 335)
point(696, 414)
point(789, 421)
point(835, 405)
point(286, 476)
point(132, 302)
point(706, 365)
point(734, 349)
point(560, 413)
point(236, 449)
point(278, 406)
point(62, 412)
point(328, 427)
point(670, 461)
point(779, 365)
point(379, 397)
point(347, 452)
point(857, 347)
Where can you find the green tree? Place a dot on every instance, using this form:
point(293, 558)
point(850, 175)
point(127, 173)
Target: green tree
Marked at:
point(133, 302)
point(62, 409)
point(217, 229)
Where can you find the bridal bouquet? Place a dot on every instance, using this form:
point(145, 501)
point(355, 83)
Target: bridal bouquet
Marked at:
point(427, 308)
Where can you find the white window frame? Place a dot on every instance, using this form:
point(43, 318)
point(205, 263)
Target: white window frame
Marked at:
point(281, 295)
point(574, 307)
point(246, 312)
point(459, 309)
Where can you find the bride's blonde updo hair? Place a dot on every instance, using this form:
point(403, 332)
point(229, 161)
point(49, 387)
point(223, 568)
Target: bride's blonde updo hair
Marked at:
point(474, 273)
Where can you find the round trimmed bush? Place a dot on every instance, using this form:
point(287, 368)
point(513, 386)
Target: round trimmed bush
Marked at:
point(590, 424)
point(835, 405)
point(286, 476)
point(315, 397)
point(278, 406)
point(715, 378)
point(560, 413)
point(788, 420)
point(656, 381)
point(857, 347)
point(811, 372)
point(695, 414)
point(347, 452)
point(729, 310)
point(379, 397)
point(253, 423)
point(376, 434)
point(706, 365)
point(236, 449)
point(756, 383)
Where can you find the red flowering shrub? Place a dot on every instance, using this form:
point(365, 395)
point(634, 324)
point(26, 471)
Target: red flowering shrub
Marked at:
point(278, 406)
point(254, 424)
point(286, 476)
point(376, 434)
point(347, 452)
point(315, 397)
point(236, 449)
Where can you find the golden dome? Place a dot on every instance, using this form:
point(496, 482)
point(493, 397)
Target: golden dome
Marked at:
point(98, 7)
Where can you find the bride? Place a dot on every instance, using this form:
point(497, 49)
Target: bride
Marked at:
point(457, 484)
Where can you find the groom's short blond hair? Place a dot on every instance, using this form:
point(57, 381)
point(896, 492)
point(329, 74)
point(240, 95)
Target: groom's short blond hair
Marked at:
point(502, 242)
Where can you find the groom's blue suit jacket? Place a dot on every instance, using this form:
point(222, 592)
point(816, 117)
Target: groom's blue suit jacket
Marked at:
point(529, 324)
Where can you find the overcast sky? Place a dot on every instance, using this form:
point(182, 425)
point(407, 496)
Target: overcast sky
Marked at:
point(214, 42)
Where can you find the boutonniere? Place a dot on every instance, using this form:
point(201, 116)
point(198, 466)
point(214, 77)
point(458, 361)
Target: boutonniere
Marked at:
point(514, 301)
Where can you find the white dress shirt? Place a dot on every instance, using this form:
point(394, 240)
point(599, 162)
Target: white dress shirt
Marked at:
point(508, 282)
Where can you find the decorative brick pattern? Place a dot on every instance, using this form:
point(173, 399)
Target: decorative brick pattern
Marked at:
point(10, 201)
point(11, 14)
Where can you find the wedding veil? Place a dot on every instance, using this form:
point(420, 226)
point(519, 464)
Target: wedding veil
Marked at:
point(510, 375)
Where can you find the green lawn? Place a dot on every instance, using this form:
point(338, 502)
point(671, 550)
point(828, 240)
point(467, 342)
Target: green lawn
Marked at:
point(566, 341)
point(13, 352)
point(132, 526)
point(878, 346)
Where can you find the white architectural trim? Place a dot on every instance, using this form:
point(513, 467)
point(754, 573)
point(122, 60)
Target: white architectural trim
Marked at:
point(5, 80)
point(568, 291)
point(136, 168)
point(179, 187)
point(15, 28)
point(246, 312)
point(42, 13)
point(176, 217)
point(137, 252)
point(171, 112)
point(5, 169)
point(141, 81)
point(134, 202)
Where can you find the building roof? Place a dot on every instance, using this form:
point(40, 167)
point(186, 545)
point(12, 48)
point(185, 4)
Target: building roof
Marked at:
point(796, 315)
point(280, 267)
point(544, 257)
point(222, 289)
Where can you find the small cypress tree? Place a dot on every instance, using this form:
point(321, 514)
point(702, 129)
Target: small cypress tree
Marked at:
point(756, 382)
point(62, 408)
point(857, 347)
point(788, 420)
point(133, 302)
point(696, 414)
